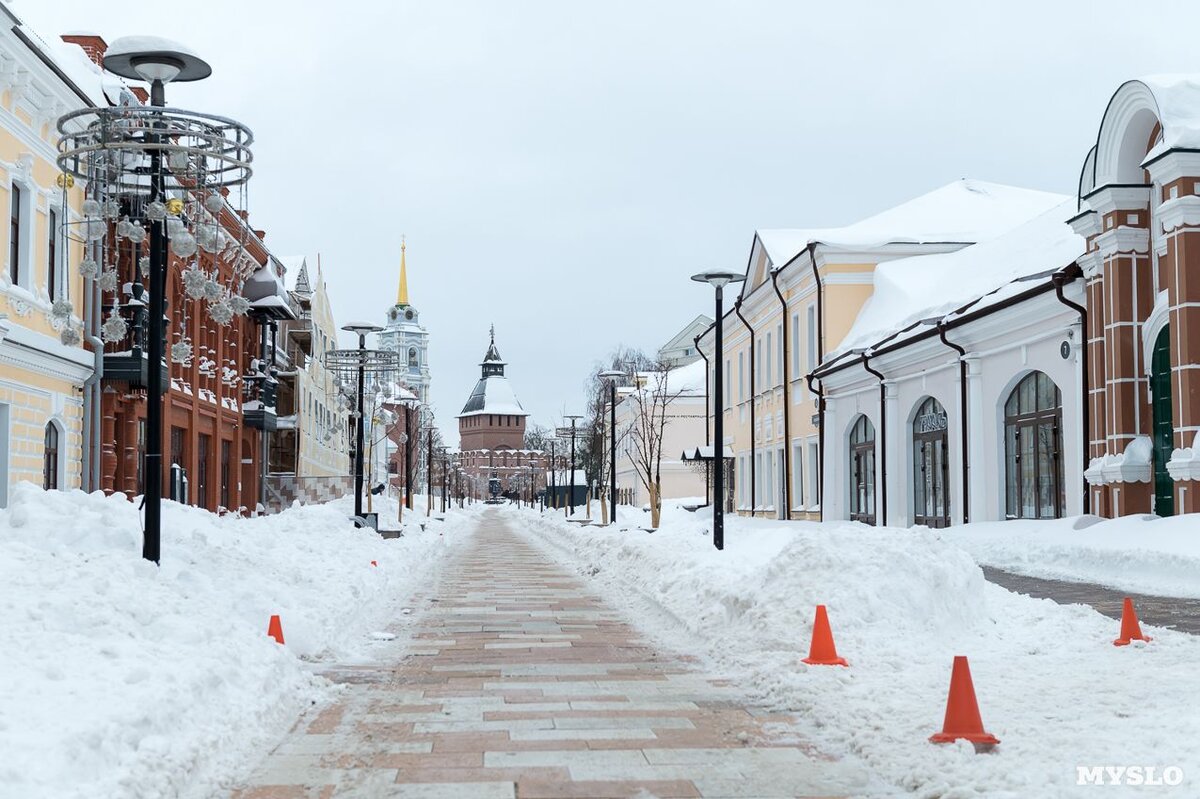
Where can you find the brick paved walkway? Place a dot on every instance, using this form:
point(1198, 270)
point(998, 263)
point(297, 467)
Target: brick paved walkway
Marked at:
point(520, 684)
point(1161, 611)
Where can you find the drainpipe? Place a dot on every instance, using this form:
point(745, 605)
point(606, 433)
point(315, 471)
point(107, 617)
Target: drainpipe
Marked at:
point(707, 439)
point(812, 259)
point(962, 410)
point(90, 471)
point(882, 477)
point(737, 308)
point(1061, 279)
point(787, 423)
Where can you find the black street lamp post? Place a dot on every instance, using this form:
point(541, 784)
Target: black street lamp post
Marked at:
point(611, 376)
point(718, 280)
point(360, 329)
point(571, 500)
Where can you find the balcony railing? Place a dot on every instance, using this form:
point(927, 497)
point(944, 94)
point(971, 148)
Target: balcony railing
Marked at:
point(259, 393)
point(125, 359)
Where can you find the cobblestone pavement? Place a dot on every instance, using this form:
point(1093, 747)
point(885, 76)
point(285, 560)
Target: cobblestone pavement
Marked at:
point(1160, 611)
point(518, 683)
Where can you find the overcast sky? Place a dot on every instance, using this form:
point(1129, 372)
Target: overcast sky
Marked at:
point(561, 168)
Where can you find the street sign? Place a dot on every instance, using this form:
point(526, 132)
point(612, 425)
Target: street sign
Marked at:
point(565, 432)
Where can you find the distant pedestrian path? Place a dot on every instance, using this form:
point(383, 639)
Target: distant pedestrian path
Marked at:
point(1173, 612)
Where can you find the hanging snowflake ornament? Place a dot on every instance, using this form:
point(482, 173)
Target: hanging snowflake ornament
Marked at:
point(144, 265)
point(220, 312)
point(206, 238)
point(156, 211)
point(70, 337)
point(214, 202)
point(112, 209)
point(91, 208)
point(194, 279)
point(212, 290)
point(107, 280)
point(62, 309)
point(181, 353)
point(114, 327)
point(89, 268)
point(175, 226)
point(184, 245)
point(239, 304)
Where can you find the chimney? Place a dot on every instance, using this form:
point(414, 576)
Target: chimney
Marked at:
point(93, 45)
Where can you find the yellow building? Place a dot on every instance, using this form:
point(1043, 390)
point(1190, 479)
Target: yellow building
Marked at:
point(803, 290)
point(43, 365)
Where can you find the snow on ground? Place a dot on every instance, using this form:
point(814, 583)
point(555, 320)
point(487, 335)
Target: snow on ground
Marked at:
point(122, 679)
point(902, 604)
point(1140, 554)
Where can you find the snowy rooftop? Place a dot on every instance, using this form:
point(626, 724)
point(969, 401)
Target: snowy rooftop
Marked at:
point(963, 211)
point(1178, 100)
point(493, 394)
point(908, 290)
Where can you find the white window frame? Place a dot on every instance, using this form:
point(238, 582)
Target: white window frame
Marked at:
point(812, 337)
point(795, 345)
point(26, 245)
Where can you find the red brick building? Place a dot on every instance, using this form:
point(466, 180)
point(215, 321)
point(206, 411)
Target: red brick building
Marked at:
point(491, 430)
point(1140, 213)
point(215, 347)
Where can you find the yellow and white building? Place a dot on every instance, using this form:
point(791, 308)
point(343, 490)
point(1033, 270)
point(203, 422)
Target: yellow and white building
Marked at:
point(804, 288)
point(43, 364)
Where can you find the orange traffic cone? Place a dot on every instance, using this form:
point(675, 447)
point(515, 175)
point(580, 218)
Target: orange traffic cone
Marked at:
point(962, 711)
point(822, 652)
point(275, 630)
point(1130, 629)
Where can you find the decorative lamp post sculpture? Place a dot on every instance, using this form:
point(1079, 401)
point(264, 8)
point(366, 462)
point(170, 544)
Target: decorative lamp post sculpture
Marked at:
point(139, 174)
point(718, 280)
point(358, 364)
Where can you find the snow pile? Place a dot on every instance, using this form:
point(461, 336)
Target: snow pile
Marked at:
point(902, 604)
point(1140, 554)
point(122, 679)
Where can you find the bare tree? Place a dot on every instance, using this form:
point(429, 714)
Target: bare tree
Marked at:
point(594, 455)
point(650, 406)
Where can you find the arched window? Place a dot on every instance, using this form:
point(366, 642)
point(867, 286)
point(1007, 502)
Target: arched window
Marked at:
point(862, 471)
point(50, 458)
point(1033, 449)
point(931, 466)
point(1164, 426)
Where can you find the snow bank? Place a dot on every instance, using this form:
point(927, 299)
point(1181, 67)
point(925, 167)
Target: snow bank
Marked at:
point(1140, 554)
point(122, 679)
point(902, 604)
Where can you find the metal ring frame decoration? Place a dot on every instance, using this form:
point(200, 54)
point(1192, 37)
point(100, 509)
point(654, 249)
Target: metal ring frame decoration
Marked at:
point(201, 157)
point(344, 364)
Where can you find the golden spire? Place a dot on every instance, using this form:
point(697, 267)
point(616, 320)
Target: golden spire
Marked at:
point(402, 294)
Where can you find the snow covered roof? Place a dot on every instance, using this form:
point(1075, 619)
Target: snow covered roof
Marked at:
point(688, 379)
point(908, 290)
point(1178, 100)
point(493, 394)
point(964, 211)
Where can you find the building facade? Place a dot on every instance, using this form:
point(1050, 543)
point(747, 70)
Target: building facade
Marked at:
point(965, 405)
point(491, 431)
point(681, 350)
point(683, 407)
point(1139, 204)
point(43, 363)
point(803, 291)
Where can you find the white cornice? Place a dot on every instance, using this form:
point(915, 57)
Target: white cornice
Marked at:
point(1180, 212)
point(1123, 240)
point(1173, 165)
point(849, 279)
point(1086, 224)
point(1107, 199)
point(1090, 263)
